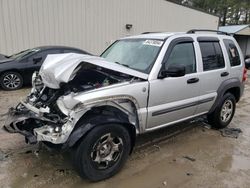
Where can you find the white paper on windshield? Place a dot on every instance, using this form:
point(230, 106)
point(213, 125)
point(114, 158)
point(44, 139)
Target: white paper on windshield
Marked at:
point(153, 43)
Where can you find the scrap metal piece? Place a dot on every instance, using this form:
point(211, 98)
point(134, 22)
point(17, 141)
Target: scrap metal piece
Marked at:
point(189, 158)
point(231, 132)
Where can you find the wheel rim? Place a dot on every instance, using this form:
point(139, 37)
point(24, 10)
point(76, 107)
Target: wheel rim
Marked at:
point(106, 151)
point(11, 81)
point(226, 111)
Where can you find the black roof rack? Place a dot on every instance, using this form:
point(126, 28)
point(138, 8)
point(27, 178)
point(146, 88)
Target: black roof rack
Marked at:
point(148, 32)
point(207, 30)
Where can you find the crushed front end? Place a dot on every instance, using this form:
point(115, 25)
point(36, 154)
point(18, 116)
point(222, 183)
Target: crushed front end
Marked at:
point(38, 117)
point(58, 98)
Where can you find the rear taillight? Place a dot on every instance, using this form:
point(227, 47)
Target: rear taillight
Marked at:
point(244, 78)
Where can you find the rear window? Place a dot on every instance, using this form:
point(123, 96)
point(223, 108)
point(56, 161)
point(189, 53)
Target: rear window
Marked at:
point(212, 56)
point(232, 52)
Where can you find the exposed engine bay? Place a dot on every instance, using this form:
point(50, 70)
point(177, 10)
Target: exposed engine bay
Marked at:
point(45, 116)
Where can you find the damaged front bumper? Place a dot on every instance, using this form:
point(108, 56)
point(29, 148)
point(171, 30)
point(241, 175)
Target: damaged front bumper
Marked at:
point(35, 126)
point(11, 125)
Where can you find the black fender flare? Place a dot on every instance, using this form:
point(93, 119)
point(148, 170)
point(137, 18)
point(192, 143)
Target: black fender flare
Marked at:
point(225, 86)
point(87, 124)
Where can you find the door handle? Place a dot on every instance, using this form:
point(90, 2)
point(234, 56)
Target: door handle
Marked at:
point(224, 74)
point(192, 80)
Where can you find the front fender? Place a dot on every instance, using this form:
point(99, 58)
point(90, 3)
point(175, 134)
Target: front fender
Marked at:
point(86, 124)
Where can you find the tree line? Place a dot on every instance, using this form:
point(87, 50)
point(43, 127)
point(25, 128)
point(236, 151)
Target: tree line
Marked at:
point(231, 12)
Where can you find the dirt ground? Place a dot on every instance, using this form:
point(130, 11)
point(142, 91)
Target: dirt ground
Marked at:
point(184, 155)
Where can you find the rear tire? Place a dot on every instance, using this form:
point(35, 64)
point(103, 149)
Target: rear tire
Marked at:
point(102, 152)
point(11, 81)
point(224, 112)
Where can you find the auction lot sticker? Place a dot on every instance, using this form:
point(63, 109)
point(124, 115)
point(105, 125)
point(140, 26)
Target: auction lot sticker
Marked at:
point(153, 43)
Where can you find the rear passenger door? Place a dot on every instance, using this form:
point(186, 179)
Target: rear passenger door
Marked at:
point(215, 71)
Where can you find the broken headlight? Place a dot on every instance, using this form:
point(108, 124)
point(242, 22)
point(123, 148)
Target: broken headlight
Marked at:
point(37, 82)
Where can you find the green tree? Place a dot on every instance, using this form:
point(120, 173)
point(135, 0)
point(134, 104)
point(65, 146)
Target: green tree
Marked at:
point(230, 11)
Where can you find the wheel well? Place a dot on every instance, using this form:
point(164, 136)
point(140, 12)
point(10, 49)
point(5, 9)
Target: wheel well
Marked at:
point(235, 91)
point(132, 132)
point(108, 115)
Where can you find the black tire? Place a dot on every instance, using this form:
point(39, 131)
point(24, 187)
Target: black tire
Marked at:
point(87, 152)
point(11, 81)
point(216, 119)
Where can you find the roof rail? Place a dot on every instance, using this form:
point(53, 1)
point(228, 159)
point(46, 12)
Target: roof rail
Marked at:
point(207, 30)
point(148, 32)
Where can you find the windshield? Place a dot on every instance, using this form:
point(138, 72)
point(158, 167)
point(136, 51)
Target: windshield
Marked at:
point(23, 54)
point(138, 54)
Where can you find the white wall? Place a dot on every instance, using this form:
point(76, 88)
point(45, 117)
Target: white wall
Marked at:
point(90, 24)
point(244, 43)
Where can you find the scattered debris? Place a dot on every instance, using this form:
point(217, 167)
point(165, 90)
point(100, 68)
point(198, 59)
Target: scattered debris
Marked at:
point(165, 183)
point(206, 125)
point(29, 151)
point(158, 147)
point(189, 158)
point(2, 155)
point(63, 171)
point(36, 152)
point(231, 132)
point(24, 175)
point(4, 114)
point(198, 120)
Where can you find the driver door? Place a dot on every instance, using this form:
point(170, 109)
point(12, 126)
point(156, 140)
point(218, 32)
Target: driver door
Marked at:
point(173, 99)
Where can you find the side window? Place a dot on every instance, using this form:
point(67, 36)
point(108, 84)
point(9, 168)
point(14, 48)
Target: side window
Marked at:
point(47, 52)
point(37, 57)
point(212, 56)
point(232, 51)
point(70, 51)
point(183, 54)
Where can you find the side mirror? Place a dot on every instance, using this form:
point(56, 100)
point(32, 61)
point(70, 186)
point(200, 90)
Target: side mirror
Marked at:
point(247, 63)
point(173, 71)
point(37, 60)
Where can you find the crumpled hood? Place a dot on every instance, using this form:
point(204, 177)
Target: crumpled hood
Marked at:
point(60, 68)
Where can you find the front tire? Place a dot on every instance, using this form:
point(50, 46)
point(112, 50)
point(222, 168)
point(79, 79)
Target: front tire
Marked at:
point(102, 152)
point(11, 81)
point(224, 112)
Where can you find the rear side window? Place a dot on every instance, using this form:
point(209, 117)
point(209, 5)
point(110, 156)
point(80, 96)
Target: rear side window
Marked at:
point(232, 51)
point(212, 56)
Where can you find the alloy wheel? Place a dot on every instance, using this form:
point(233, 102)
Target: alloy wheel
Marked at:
point(11, 81)
point(226, 111)
point(106, 151)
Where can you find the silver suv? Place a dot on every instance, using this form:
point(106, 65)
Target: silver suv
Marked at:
point(96, 106)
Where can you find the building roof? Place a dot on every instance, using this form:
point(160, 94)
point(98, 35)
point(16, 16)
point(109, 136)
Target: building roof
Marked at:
point(192, 7)
point(233, 29)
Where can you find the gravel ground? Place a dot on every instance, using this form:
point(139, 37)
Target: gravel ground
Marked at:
point(183, 155)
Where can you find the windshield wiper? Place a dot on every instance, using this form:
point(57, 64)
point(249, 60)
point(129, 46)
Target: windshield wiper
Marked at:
point(123, 64)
